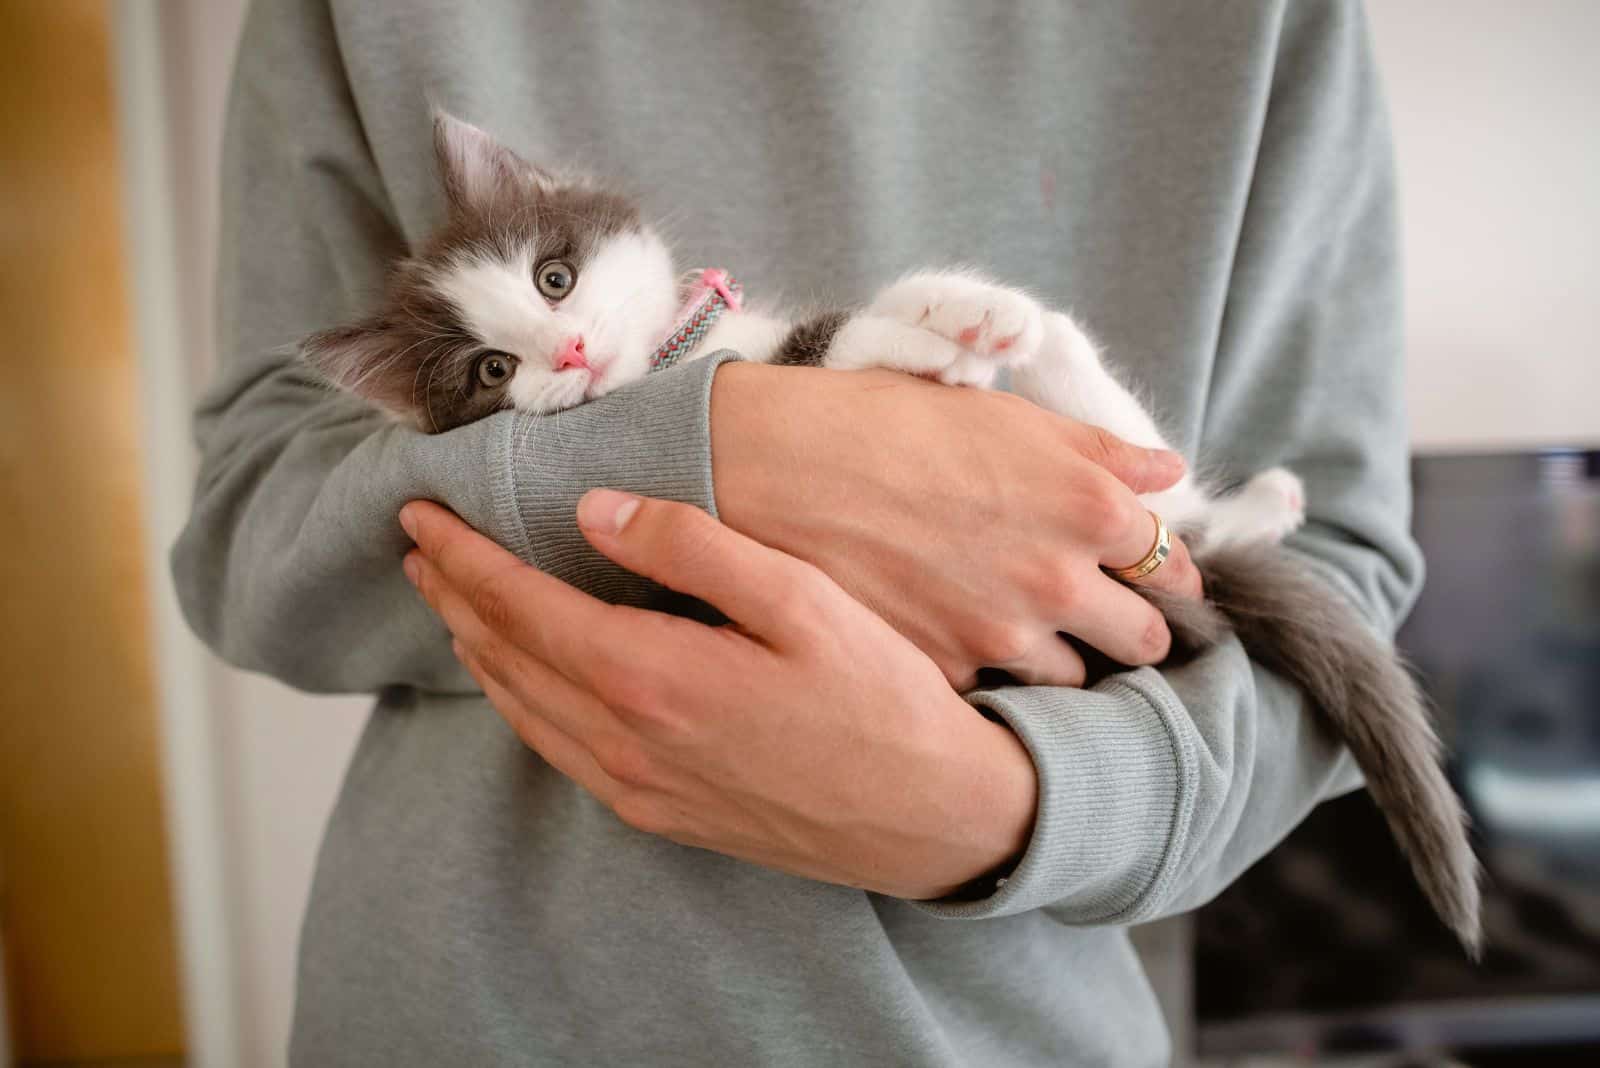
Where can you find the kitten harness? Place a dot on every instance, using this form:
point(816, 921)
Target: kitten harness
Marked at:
point(713, 292)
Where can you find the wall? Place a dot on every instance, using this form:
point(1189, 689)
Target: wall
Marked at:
point(1499, 171)
point(94, 973)
point(281, 754)
point(1495, 122)
point(277, 756)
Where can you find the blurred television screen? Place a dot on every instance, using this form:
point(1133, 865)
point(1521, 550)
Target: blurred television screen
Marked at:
point(1326, 945)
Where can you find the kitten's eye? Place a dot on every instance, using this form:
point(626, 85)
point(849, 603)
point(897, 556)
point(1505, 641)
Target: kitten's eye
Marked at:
point(555, 279)
point(494, 369)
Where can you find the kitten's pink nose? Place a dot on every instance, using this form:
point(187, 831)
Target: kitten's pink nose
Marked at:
point(570, 354)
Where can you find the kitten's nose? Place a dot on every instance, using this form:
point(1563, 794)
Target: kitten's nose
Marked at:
point(570, 354)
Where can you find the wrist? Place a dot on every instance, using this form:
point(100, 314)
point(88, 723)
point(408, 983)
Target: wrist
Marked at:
point(764, 428)
point(1001, 785)
point(1012, 794)
point(741, 440)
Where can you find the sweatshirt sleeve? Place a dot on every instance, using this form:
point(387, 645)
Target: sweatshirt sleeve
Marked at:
point(290, 561)
point(1158, 788)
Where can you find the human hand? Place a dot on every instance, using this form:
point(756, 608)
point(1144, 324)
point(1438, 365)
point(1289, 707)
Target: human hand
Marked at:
point(974, 522)
point(807, 736)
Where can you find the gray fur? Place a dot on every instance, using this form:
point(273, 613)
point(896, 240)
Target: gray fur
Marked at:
point(1291, 622)
point(807, 343)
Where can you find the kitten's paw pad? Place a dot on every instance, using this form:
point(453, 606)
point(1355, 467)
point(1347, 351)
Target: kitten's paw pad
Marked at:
point(1279, 502)
point(986, 319)
point(996, 323)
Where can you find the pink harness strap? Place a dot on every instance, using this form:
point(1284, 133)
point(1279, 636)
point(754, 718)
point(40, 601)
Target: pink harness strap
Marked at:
point(711, 293)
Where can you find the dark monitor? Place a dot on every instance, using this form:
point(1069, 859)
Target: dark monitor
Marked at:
point(1326, 944)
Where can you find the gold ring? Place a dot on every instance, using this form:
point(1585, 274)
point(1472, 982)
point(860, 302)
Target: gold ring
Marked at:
point(1153, 559)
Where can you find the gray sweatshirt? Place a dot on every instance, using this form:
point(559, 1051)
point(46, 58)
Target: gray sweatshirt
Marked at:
point(1208, 186)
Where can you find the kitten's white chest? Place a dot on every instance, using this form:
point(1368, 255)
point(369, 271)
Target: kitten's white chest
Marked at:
point(750, 333)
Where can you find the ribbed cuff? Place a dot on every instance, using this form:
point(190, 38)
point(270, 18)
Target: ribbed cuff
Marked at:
point(652, 437)
point(1116, 791)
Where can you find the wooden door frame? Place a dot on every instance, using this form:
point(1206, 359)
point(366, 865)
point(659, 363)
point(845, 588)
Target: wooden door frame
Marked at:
point(187, 680)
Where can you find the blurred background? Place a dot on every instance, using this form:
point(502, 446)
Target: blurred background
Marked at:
point(159, 812)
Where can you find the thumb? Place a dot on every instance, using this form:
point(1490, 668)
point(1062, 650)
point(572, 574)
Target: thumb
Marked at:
point(687, 550)
point(1141, 470)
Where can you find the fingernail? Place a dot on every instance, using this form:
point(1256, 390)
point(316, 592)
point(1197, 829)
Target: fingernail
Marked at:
point(408, 521)
point(411, 565)
point(1172, 461)
point(606, 511)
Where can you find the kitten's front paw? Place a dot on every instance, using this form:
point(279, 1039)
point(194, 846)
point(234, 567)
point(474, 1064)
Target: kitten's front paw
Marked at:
point(987, 320)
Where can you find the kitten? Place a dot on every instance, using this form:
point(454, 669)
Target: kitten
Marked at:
point(543, 291)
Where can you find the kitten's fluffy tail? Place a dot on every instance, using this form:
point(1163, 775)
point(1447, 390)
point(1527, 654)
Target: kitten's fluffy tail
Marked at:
point(1290, 621)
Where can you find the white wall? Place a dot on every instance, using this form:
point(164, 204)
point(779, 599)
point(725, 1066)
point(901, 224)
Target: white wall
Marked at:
point(1500, 168)
point(1495, 120)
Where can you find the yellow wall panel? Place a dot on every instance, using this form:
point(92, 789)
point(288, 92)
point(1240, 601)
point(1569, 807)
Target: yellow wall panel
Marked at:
point(83, 873)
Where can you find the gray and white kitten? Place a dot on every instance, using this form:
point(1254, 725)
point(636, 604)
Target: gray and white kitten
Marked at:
point(541, 292)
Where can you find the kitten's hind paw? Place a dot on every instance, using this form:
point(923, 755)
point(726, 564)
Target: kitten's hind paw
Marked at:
point(1268, 508)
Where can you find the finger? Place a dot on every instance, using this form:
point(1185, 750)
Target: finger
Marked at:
point(569, 706)
point(1141, 470)
point(491, 590)
point(1131, 533)
point(687, 550)
point(1177, 574)
point(1053, 663)
point(558, 748)
point(1118, 622)
point(958, 673)
point(535, 684)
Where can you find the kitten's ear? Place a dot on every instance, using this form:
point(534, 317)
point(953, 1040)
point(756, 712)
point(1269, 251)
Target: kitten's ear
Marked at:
point(357, 357)
point(475, 168)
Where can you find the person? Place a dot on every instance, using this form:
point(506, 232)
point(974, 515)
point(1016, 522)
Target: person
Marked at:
point(788, 841)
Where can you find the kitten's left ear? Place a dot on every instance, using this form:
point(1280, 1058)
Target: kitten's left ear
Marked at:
point(358, 358)
point(476, 169)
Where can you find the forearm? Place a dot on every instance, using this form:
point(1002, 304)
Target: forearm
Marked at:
point(1146, 808)
point(290, 561)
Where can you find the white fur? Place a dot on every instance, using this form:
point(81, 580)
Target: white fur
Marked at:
point(875, 341)
point(983, 318)
point(622, 302)
point(754, 334)
point(1269, 508)
point(1068, 376)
